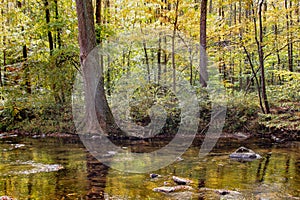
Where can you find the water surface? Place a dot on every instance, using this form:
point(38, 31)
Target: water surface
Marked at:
point(52, 168)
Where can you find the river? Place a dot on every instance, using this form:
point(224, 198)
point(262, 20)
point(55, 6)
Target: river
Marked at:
point(62, 168)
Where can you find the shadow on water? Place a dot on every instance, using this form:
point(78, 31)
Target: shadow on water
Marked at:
point(62, 168)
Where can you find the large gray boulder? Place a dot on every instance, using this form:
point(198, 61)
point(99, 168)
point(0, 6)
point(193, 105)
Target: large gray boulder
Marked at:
point(244, 154)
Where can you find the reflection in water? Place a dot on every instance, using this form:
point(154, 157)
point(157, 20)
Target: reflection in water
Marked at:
point(267, 158)
point(96, 174)
point(276, 176)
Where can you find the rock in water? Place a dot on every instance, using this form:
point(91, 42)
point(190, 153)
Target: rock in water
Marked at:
point(178, 159)
point(5, 198)
point(164, 189)
point(172, 189)
point(244, 154)
point(241, 136)
point(155, 175)
point(181, 181)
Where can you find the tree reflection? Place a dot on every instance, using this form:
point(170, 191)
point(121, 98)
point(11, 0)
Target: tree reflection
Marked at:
point(96, 174)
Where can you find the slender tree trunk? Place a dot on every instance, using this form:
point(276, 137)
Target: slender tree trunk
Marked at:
point(191, 66)
point(288, 35)
point(173, 44)
point(291, 60)
point(165, 56)
point(3, 42)
point(147, 62)
point(210, 6)
point(97, 109)
point(50, 38)
point(25, 58)
point(98, 20)
point(256, 79)
point(203, 57)
point(26, 70)
point(58, 30)
point(261, 58)
point(159, 59)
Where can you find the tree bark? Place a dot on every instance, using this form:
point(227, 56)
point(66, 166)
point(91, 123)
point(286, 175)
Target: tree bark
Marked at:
point(261, 58)
point(203, 57)
point(288, 35)
point(173, 44)
point(159, 59)
point(58, 30)
point(50, 38)
point(97, 109)
point(147, 61)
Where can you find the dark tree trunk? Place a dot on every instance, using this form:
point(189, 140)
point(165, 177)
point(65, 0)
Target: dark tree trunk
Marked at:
point(50, 38)
point(25, 59)
point(165, 57)
point(26, 70)
point(147, 61)
point(191, 66)
point(58, 30)
point(159, 59)
point(261, 58)
point(203, 57)
point(98, 11)
point(97, 109)
point(98, 16)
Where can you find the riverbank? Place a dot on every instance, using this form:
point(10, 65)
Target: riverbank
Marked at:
point(243, 119)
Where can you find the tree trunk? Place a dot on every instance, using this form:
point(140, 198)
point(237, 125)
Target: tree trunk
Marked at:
point(3, 42)
point(58, 30)
point(97, 109)
point(50, 38)
point(159, 59)
point(147, 62)
point(25, 59)
point(173, 44)
point(203, 57)
point(261, 58)
point(210, 6)
point(191, 66)
point(288, 35)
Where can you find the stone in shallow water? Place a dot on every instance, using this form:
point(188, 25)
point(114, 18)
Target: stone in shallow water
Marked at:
point(244, 154)
point(166, 189)
point(5, 198)
point(181, 181)
point(155, 175)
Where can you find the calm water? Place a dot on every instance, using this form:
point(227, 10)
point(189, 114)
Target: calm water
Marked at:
point(28, 170)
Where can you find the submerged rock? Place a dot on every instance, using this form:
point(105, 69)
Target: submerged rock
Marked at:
point(244, 154)
point(32, 167)
point(155, 175)
point(181, 181)
point(5, 198)
point(166, 189)
point(222, 193)
point(241, 136)
point(178, 159)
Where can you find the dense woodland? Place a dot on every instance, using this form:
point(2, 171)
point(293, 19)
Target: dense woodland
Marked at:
point(254, 45)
